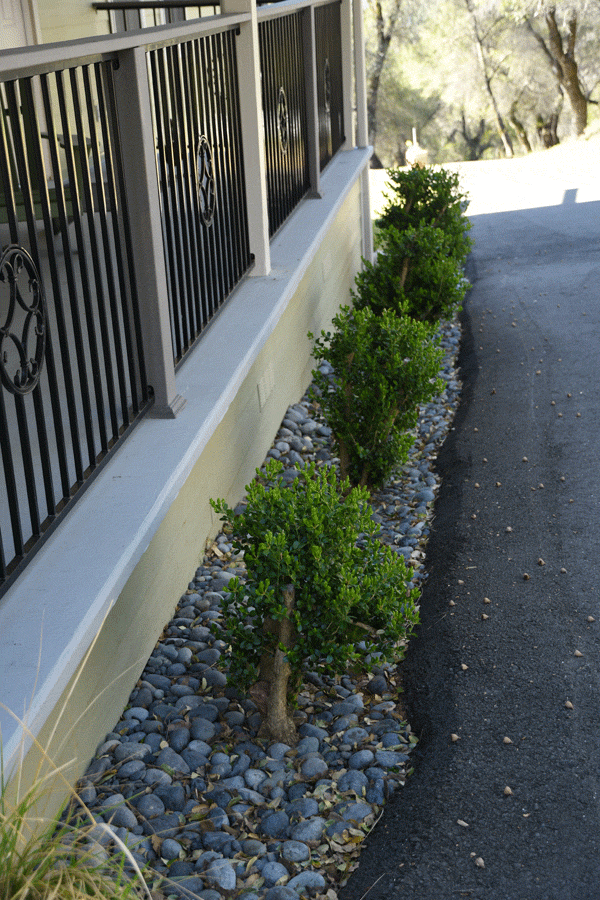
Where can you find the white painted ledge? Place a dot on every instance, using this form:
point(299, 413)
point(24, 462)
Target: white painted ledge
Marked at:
point(64, 595)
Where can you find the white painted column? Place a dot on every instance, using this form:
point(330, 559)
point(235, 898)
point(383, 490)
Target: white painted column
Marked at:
point(312, 111)
point(143, 202)
point(362, 130)
point(253, 137)
point(348, 64)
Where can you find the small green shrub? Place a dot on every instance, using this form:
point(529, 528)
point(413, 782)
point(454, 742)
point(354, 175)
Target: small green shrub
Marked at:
point(415, 275)
point(313, 593)
point(431, 197)
point(384, 367)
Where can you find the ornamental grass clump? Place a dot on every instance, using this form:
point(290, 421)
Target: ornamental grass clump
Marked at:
point(384, 367)
point(321, 591)
point(430, 197)
point(59, 859)
point(415, 274)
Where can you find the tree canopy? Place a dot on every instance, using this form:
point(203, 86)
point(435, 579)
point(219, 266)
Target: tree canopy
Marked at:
point(480, 78)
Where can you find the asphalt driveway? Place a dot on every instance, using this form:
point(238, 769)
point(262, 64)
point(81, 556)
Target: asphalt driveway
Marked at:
point(507, 659)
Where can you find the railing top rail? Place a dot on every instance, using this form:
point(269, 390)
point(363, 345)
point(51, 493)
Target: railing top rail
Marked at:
point(287, 7)
point(152, 4)
point(20, 62)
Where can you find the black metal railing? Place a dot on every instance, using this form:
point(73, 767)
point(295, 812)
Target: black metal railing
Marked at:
point(330, 97)
point(201, 179)
point(73, 380)
point(284, 110)
point(71, 360)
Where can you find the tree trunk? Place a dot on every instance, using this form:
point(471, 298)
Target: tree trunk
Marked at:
point(487, 79)
point(384, 35)
point(561, 56)
point(271, 691)
point(520, 129)
point(565, 56)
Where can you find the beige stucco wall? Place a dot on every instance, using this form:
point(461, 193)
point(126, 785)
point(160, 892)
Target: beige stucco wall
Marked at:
point(67, 21)
point(226, 465)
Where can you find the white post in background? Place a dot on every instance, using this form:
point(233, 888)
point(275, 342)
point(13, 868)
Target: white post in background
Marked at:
point(143, 203)
point(362, 127)
point(253, 136)
point(312, 111)
point(348, 64)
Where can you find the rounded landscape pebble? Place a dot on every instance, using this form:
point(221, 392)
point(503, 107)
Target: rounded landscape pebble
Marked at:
point(185, 781)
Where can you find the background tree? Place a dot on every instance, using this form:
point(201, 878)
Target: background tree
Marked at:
point(432, 76)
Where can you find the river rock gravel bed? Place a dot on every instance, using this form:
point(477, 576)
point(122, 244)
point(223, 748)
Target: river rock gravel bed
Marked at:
point(211, 810)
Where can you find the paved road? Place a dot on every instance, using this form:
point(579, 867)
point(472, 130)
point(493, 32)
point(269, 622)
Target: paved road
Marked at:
point(517, 522)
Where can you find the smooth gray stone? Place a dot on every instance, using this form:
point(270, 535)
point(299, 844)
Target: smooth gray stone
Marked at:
point(202, 729)
point(377, 685)
point(254, 777)
point(278, 750)
point(307, 745)
point(120, 817)
point(275, 825)
point(390, 758)
point(149, 806)
point(308, 730)
point(355, 736)
point(170, 849)
point(281, 892)
point(240, 765)
point(310, 830)
point(221, 873)
point(173, 796)
point(252, 847)
point(233, 783)
point(185, 888)
point(361, 759)
point(302, 808)
point(136, 712)
point(353, 780)
point(131, 750)
point(157, 776)
point(165, 826)
point(307, 881)
point(179, 739)
point(172, 760)
point(250, 796)
point(219, 817)
point(376, 792)
point(354, 812)
point(132, 769)
point(273, 871)
point(295, 851)
point(216, 840)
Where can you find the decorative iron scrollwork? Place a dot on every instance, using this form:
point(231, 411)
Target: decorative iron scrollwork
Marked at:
point(283, 129)
point(205, 180)
point(327, 86)
point(23, 307)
